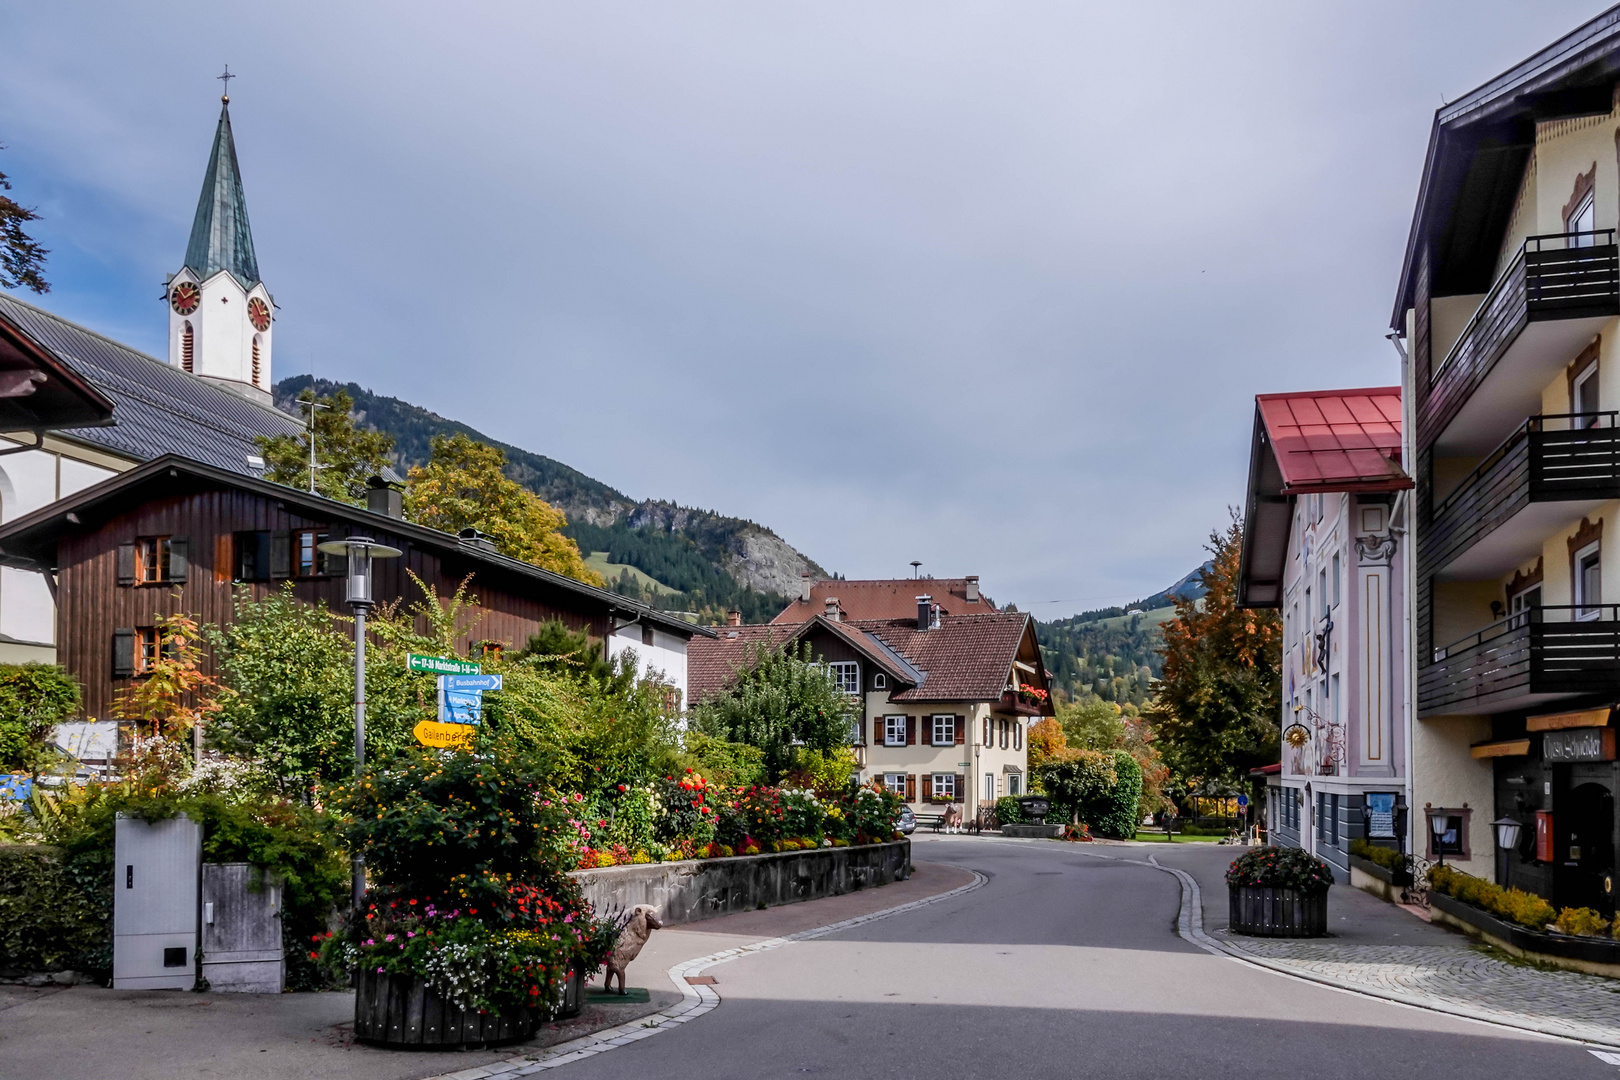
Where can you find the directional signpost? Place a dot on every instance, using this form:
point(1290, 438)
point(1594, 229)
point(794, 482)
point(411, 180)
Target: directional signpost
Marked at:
point(461, 699)
point(440, 665)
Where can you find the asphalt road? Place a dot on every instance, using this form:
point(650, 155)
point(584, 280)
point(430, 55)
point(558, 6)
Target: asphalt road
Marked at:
point(1061, 965)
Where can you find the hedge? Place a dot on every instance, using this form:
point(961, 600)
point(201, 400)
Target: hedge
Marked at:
point(1101, 788)
point(55, 910)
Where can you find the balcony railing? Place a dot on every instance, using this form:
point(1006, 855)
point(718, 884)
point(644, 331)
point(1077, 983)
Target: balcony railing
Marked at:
point(1559, 457)
point(1549, 651)
point(1556, 276)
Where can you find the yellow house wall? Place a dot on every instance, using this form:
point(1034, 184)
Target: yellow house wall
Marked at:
point(1445, 773)
point(922, 758)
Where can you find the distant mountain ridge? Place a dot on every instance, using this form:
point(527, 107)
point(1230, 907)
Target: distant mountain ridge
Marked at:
point(1113, 653)
point(712, 561)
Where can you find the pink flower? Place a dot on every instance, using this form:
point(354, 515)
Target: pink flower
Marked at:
point(569, 917)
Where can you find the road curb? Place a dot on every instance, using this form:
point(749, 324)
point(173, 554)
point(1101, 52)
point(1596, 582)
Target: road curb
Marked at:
point(1190, 927)
point(695, 1000)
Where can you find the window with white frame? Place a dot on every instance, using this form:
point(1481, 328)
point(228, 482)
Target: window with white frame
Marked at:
point(894, 731)
point(989, 788)
point(895, 782)
point(1337, 595)
point(880, 681)
point(1588, 582)
point(945, 786)
point(1582, 219)
point(855, 731)
point(1014, 784)
point(1583, 397)
point(847, 674)
point(944, 730)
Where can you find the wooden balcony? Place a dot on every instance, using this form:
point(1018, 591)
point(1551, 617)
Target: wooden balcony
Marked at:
point(1535, 656)
point(1011, 702)
point(1544, 476)
point(1566, 280)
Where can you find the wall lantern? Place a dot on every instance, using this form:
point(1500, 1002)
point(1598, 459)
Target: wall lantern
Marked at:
point(1437, 826)
point(359, 550)
point(1507, 833)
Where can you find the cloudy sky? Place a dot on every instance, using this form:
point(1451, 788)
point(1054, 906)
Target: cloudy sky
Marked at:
point(987, 285)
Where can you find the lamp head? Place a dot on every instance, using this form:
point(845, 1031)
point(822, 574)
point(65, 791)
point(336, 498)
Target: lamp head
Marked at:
point(359, 550)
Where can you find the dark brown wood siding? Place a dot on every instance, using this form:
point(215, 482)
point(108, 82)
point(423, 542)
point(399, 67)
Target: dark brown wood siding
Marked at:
point(91, 605)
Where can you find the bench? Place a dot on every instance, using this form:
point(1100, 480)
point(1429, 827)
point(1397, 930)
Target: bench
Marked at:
point(936, 821)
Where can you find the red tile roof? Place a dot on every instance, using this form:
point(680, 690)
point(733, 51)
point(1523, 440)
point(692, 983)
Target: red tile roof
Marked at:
point(965, 658)
point(1335, 440)
point(885, 598)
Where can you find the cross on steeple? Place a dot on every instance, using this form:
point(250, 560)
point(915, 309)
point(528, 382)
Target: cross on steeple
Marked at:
point(226, 79)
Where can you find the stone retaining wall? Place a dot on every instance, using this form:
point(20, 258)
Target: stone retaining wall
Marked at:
point(696, 889)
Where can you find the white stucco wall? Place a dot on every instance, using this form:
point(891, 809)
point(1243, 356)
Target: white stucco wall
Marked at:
point(664, 659)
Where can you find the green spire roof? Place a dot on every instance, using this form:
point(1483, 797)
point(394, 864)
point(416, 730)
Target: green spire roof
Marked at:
point(220, 237)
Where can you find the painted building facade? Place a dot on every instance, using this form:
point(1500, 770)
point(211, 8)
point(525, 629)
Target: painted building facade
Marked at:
point(1324, 543)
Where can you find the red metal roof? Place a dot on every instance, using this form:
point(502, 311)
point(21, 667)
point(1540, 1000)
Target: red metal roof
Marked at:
point(1336, 440)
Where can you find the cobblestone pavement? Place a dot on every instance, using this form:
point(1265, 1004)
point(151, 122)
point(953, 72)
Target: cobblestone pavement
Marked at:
point(1441, 970)
point(1468, 979)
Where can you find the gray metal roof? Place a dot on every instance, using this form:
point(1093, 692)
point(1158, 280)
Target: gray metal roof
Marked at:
point(220, 237)
point(157, 408)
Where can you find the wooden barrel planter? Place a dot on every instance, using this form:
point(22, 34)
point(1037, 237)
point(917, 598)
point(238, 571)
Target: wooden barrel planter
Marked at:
point(402, 1011)
point(1270, 911)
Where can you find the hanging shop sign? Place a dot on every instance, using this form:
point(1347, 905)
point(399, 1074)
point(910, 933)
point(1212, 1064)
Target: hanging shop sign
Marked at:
point(1578, 744)
point(440, 665)
point(444, 736)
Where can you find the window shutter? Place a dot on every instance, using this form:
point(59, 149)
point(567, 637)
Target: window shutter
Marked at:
point(126, 564)
point(928, 787)
point(1018, 735)
point(911, 787)
point(961, 731)
point(222, 558)
point(911, 731)
point(124, 647)
point(179, 557)
point(987, 727)
point(877, 732)
point(280, 554)
point(961, 787)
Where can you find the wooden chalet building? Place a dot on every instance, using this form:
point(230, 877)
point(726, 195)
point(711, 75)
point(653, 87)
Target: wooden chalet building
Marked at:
point(944, 709)
point(179, 536)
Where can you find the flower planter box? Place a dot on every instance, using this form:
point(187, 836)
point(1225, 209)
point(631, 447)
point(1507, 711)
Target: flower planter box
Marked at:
point(1396, 878)
point(1270, 911)
point(1593, 955)
point(401, 1011)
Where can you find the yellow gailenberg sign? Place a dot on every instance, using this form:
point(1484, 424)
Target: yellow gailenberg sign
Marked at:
point(445, 736)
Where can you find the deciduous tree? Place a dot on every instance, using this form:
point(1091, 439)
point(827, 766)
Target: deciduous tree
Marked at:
point(464, 486)
point(1219, 700)
point(780, 701)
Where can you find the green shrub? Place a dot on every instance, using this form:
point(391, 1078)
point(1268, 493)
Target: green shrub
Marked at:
point(1281, 867)
point(1388, 858)
point(55, 910)
point(34, 698)
point(1581, 922)
point(1101, 788)
point(1008, 812)
point(1525, 908)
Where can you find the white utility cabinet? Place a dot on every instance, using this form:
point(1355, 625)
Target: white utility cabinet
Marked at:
point(156, 883)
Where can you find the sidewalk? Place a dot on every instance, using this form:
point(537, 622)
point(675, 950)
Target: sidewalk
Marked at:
point(1378, 948)
point(75, 1032)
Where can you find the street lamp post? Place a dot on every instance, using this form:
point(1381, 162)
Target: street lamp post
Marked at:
point(359, 551)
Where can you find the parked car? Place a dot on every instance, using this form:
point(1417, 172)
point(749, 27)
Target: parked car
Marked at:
point(908, 821)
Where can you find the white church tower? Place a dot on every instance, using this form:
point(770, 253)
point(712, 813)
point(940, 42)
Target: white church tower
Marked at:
point(219, 311)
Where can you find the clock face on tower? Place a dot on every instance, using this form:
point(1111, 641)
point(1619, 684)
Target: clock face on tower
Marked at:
point(259, 314)
point(185, 297)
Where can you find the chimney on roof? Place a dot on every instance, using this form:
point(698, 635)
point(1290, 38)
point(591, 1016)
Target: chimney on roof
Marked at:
point(804, 587)
point(383, 497)
point(832, 610)
point(474, 539)
point(925, 612)
point(972, 588)
point(733, 617)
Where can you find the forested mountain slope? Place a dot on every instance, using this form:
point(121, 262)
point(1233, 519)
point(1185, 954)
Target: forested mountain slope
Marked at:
point(1113, 653)
point(711, 561)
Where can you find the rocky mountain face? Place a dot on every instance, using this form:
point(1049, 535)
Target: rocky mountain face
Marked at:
point(712, 560)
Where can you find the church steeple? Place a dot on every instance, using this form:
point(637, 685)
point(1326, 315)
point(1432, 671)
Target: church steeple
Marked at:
point(220, 236)
point(220, 313)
